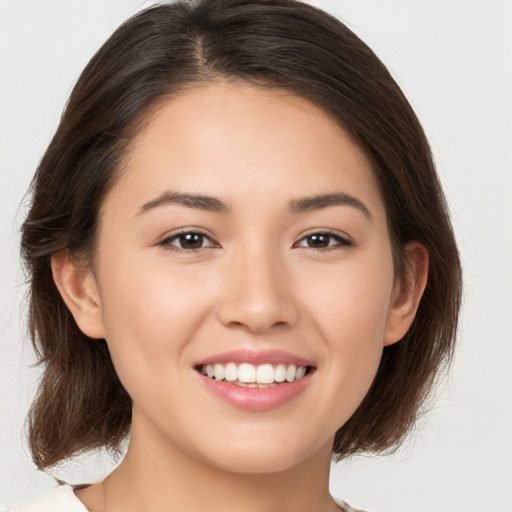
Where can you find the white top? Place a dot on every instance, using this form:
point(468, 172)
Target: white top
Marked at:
point(63, 499)
point(60, 499)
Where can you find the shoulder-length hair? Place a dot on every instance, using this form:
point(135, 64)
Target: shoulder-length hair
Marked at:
point(286, 44)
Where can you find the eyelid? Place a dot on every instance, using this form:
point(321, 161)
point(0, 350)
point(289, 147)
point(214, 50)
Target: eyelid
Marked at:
point(344, 240)
point(166, 240)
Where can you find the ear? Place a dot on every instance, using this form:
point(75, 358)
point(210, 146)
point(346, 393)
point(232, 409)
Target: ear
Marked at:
point(407, 293)
point(79, 290)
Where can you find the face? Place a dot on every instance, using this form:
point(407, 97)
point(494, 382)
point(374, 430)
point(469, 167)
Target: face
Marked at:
point(245, 240)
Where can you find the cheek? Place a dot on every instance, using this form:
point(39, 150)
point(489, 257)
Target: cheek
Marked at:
point(149, 319)
point(350, 309)
point(353, 302)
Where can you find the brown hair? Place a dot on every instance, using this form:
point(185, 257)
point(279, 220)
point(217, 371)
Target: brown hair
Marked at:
point(81, 405)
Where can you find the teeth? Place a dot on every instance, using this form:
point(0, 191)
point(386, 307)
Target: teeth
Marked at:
point(290, 373)
point(249, 375)
point(219, 372)
point(265, 374)
point(231, 372)
point(301, 371)
point(280, 373)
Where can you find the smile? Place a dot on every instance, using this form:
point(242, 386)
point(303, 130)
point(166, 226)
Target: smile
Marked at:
point(250, 375)
point(255, 380)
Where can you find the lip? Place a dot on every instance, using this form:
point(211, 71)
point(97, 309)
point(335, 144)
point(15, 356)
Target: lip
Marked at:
point(255, 357)
point(255, 399)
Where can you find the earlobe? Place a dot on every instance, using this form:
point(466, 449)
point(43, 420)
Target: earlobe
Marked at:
point(78, 288)
point(407, 292)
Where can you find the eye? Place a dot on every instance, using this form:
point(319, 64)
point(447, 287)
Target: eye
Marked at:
point(188, 241)
point(324, 240)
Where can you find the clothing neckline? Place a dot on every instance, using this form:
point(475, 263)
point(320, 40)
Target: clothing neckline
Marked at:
point(68, 491)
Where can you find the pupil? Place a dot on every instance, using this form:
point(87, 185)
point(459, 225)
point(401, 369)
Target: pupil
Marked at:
point(191, 241)
point(319, 240)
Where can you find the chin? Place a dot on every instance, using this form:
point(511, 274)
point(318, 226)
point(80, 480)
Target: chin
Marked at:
point(260, 465)
point(262, 458)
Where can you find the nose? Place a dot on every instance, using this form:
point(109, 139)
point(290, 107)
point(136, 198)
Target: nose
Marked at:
point(257, 293)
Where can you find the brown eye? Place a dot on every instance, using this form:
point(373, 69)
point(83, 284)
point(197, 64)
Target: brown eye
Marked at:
point(188, 241)
point(319, 241)
point(323, 240)
point(191, 241)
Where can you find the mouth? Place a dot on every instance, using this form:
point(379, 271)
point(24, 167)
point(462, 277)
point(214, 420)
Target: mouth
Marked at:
point(249, 375)
point(255, 380)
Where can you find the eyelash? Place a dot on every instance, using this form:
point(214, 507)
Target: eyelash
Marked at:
point(167, 242)
point(342, 242)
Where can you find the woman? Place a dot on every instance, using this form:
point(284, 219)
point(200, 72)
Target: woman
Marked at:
point(240, 255)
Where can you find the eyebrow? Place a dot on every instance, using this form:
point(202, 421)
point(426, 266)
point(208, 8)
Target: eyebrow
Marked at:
point(318, 202)
point(296, 206)
point(195, 201)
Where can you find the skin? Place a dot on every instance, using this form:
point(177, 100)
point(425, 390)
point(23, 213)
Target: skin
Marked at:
point(256, 283)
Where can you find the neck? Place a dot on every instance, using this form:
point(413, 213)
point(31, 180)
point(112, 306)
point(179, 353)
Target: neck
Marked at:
point(155, 475)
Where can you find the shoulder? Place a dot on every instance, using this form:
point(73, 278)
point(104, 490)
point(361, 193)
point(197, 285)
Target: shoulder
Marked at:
point(60, 499)
point(345, 507)
point(63, 499)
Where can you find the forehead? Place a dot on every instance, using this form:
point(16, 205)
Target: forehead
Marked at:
point(238, 141)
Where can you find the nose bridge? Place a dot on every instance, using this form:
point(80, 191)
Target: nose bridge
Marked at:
point(257, 289)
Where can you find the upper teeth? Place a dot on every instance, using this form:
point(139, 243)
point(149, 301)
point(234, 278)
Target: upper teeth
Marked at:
point(247, 373)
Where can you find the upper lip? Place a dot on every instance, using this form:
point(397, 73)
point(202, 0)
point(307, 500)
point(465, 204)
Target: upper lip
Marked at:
point(256, 357)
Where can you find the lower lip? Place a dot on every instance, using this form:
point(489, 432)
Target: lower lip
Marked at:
point(256, 399)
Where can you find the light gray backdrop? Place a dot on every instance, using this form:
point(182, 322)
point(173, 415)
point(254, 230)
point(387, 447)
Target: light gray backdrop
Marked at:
point(453, 59)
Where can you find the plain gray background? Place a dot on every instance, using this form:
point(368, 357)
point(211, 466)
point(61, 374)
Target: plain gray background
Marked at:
point(453, 58)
